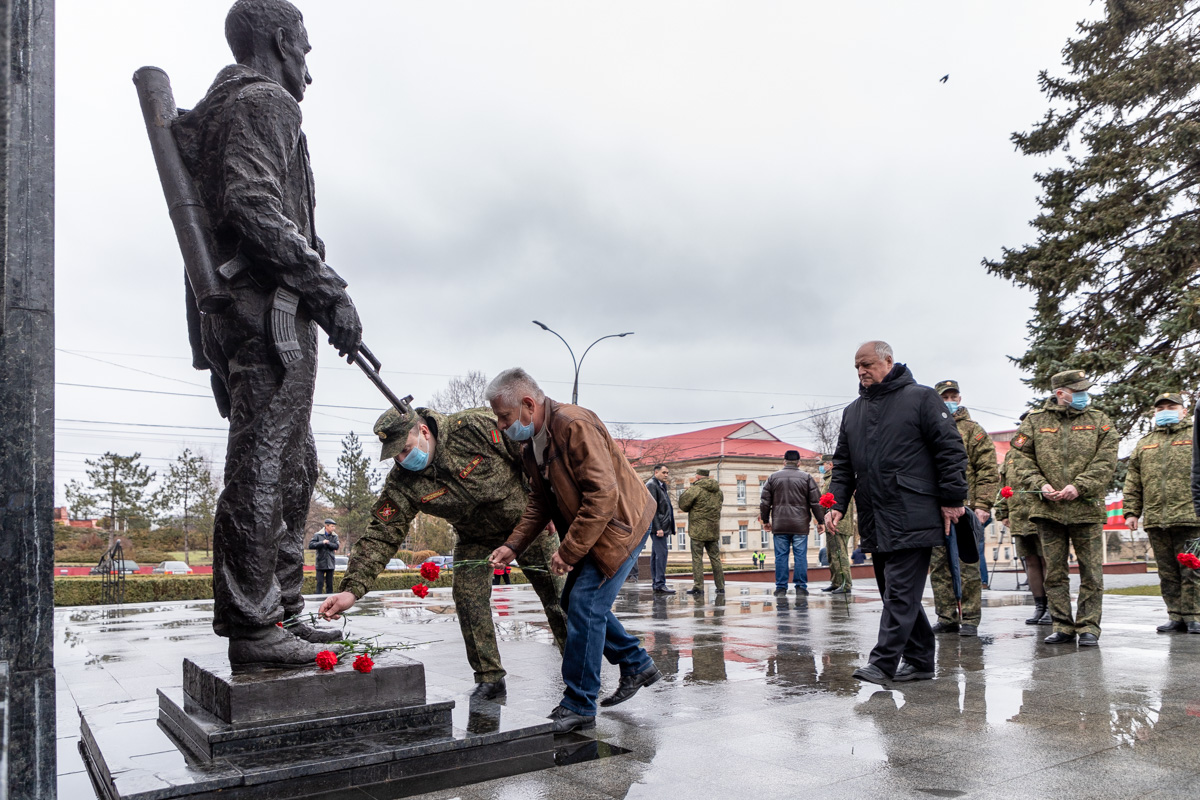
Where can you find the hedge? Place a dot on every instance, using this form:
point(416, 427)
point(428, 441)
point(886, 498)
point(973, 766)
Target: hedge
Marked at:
point(88, 591)
point(92, 557)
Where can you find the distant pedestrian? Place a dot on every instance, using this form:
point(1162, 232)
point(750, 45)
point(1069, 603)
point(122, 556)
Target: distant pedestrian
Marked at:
point(662, 526)
point(791, 500)
point(901, 458)
point(702, 501)
point(325, 542)
point(502, 575)
point(1158, 498)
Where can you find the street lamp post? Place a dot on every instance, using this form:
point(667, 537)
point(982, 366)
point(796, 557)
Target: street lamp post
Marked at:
point(579, 363)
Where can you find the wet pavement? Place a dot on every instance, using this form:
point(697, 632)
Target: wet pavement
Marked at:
point(758, 698)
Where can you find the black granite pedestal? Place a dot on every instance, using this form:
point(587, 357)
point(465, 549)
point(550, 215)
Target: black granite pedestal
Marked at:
point(300, 733)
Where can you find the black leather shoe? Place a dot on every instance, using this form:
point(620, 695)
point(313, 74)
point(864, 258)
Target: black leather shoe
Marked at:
point(664, 591)
point(780, 592)
point(697, 592)
point(841, 590)
point(907, 672)
point(1059, 638)
point(1039, 611)
point(829, 588)
point(1172, 627)
point(566, 721)
point(488, 691)
point(801, 592)
point(1088, 640)
point(871, 674)
point(946, 627)
point(1193, 627)
point(968, 630)
point(630, 684)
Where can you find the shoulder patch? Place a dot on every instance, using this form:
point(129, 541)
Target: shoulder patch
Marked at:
point(1150, 446)
point(1083, 427)
point(1047, 430)
point(475, 462)
point(434, 495)
point(384, 510)
point(1020, 440)
point(1106, 427)
point(495, 436)
point(979, 437)
point(1181, 443)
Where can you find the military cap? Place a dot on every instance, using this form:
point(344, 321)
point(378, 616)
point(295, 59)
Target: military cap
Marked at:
point(330, 522)
point(827, 456)
point(392, 428)
point(1072, 379)
point(1169, 397)
point(946, 386)
point(703, 473)
point(791, 455)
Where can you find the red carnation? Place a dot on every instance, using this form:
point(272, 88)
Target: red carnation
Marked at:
point(430, 571)
point(420, 590)
point(327, 659)
point(827, 500)
point(1189, 560)
point(363, 663)
point(1006, 491)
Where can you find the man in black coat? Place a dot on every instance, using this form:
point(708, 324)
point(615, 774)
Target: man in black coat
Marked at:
point(901, 458)
point(662, 526)
point(326, 543)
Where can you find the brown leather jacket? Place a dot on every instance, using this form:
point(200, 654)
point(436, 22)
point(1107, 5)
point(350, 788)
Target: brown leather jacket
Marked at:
point(590, 492)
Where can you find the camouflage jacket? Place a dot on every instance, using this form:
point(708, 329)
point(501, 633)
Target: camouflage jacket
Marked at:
point(702, 501)
point(849, 523)
point(983, 475)
point(1158, 486)
point(1013, 510)
point(474, 481)
point(1060, 445)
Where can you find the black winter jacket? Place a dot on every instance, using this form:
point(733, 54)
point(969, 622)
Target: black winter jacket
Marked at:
point(900, 456)
point(790, 499)
point(326, 544)
point(664, 515)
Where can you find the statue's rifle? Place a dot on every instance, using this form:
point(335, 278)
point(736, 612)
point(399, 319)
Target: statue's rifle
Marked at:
point(207, 282)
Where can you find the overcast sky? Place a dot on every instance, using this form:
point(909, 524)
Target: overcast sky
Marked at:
point(753, 188)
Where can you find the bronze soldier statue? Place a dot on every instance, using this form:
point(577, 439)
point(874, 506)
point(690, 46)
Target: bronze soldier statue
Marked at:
point(245, 151)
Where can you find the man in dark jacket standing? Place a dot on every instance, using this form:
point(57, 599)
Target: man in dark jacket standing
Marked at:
point(901, 458)
point(661, 527)
point(326, 543)
point(790, 500)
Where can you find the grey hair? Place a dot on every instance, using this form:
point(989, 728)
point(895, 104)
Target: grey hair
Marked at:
point(510, 386)
point(882, 349)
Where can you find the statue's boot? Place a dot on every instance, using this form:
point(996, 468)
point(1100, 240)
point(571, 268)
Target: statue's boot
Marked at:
point(272, 646)
point(316, 635)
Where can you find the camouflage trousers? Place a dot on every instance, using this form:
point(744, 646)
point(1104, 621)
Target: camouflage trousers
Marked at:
point(714, 557)
point(473, 599)
point(1088, 540)
point(943, 590)
point(837, 547)
point(1180, 585)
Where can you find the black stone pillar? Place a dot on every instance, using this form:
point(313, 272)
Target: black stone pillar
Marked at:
point(27, 711)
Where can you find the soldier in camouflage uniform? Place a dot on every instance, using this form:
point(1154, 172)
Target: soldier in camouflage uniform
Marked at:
point(702, 501)
point(460, 468)
point(1067, 451)
point(1014, 513)
point(838, 545)
point(983, 480)
point(1158, 495)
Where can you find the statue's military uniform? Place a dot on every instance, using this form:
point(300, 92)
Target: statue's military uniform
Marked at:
point(1158, 491)
point(838, 545)
point(702, 501)
point(1060, 445)
point(983, 479)
point(474, 481)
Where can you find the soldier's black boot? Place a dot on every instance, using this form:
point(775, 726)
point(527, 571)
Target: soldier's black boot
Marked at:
point(1039, 611)
point(1173, 626)
point(489, 690)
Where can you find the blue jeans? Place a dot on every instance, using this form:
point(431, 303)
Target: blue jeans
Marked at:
point(593, 630)
point(799, 546)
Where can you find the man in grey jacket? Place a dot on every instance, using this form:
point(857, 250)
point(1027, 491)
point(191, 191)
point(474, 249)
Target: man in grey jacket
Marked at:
point(326, 543)
point(790, 500)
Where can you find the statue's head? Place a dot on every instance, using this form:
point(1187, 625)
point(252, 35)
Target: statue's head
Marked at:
point(264, 33)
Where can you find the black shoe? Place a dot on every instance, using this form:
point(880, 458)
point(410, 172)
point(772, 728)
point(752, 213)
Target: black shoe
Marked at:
point(1193, 627)
point(871, 674)
point(968, 630)
point(566, 721)
point(1039, 611)
point(1088, 640)
point(488, 691)
point(829, 588)
point(841, 590)
point(1046, 619)
point(664, 591)
point(1173, 626)
point(801, 592)
point(946, 627)
point(907, 672)
point(780, 592)
point(630, 684)
point(1059, 638)
point(697, 592)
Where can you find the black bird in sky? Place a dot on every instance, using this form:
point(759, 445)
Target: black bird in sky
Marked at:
point(944, 78)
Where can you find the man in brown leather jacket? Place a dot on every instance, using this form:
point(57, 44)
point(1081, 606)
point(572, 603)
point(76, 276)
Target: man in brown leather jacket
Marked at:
point(580, 481)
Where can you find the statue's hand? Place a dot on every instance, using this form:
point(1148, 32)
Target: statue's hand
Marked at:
point(345, 328)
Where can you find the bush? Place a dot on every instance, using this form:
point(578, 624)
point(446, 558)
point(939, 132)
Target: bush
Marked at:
point(405, 555)
point(420, 556)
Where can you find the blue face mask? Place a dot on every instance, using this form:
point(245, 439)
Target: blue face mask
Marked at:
point(519, 431)
point(417, 459)
point(1168, 416)
point(821, 468)
point(953, 406)
point(1080, 400)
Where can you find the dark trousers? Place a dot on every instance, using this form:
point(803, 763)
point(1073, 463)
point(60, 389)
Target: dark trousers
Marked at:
point(904, 629)
point(325, 579)
point(658, 560)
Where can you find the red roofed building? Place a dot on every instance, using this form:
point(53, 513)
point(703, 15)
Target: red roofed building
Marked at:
point(740, 456)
